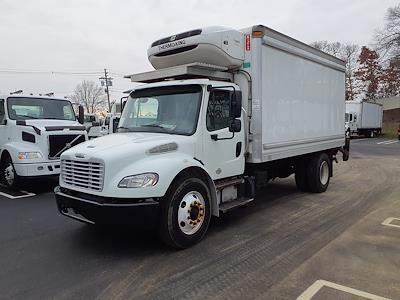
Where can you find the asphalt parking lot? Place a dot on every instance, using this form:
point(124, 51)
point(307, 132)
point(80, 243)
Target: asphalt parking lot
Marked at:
point(342, 244)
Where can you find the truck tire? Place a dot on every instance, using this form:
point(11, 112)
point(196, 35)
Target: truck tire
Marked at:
point(318, 172)
point(8, 174)
point(300, 176)
point(372, 134)
point(185, 212)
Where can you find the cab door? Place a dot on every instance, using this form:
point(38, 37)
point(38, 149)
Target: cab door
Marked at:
point(223, 150)
point(353, 122)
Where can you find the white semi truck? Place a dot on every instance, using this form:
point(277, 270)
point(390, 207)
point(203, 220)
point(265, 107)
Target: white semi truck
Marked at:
point(224, 112)
point(363, 118)
point(34, 131)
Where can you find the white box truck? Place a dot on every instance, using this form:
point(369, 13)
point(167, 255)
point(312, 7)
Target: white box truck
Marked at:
point(224, 112)
point(34, 131)
point(363, 118)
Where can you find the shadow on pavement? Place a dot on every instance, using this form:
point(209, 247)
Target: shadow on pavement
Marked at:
point(128, 240)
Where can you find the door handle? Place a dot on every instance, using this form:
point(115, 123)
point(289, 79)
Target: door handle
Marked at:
point(238, 148)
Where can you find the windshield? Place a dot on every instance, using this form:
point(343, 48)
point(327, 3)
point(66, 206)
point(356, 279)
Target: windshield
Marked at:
point(39, 108)
point(346, 117)
point(172, 110)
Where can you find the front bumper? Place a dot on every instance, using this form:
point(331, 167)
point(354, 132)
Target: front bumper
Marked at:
point(38, 169)
point(94, 209)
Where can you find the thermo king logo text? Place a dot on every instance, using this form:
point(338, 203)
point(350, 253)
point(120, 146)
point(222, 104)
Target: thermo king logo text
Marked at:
point(171, 45)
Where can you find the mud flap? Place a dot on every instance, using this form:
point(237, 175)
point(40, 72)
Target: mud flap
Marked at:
point(346, 149)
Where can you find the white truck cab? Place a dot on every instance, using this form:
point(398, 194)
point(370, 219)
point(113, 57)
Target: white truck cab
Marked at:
point(224, 112)
point(34, 131)
point(363, 118)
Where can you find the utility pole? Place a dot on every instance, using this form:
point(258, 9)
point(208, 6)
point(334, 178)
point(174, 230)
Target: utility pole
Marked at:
point(106, 81)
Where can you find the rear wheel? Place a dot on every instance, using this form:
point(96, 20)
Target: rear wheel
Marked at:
point(371, 134)
point(185, 212)
point(9, 176)
point(318, 172)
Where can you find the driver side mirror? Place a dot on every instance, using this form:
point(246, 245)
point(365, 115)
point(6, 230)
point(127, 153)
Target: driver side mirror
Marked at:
point(235, 126)
point(115, 125)
point(80, 114)
point(236, 104)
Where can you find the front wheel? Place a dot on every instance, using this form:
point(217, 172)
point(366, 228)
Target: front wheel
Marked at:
point(185, 212)
point(8, 174)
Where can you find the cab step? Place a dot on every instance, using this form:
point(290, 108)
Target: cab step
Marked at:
point(224, 207)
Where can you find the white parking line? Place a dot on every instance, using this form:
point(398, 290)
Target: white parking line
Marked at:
point(25, 194)
point(388, 222)
point(319, 284)
point(388, 142)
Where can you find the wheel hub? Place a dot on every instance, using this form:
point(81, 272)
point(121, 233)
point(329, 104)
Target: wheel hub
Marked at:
point(191, 212)
point(324, 172)
point(9, 174)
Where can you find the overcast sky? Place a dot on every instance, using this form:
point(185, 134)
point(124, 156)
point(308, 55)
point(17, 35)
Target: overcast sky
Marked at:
point(86, 36)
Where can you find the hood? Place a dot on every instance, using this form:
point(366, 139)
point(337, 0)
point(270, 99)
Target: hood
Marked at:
point(120, 146)
point(42, 124)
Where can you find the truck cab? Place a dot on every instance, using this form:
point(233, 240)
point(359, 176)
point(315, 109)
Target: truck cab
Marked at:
point(34, 132)
point(350, 123)
point(224, 112)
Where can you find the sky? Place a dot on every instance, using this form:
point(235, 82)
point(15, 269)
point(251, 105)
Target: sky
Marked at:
point(58, 44)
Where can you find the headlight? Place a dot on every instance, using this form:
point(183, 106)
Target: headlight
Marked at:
point(140, 180)
point(29, 155)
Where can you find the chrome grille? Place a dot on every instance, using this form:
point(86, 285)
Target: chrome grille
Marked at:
point(82, 174)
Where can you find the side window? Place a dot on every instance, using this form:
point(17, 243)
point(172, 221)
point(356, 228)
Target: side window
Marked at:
point(2, 112)
point(68, 113)
point(218, 110)
point(351, 117)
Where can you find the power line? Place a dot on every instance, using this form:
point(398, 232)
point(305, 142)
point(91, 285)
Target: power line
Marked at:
point(12, 70)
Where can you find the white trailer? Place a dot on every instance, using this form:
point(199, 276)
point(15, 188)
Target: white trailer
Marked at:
point(34, 131)
point(224, 112)
point(363, 118)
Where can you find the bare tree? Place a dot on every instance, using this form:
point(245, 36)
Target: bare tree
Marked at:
point(349, 53)
point(332, 48)
point(388, 39)
point(90, 96)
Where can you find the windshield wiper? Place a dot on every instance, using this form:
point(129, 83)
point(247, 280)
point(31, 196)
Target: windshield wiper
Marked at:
point(156, 126)
point(25, 116)
point(125, 128)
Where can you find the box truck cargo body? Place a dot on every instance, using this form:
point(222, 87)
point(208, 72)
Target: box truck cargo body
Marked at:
point(363, 118)
point(224, 112)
